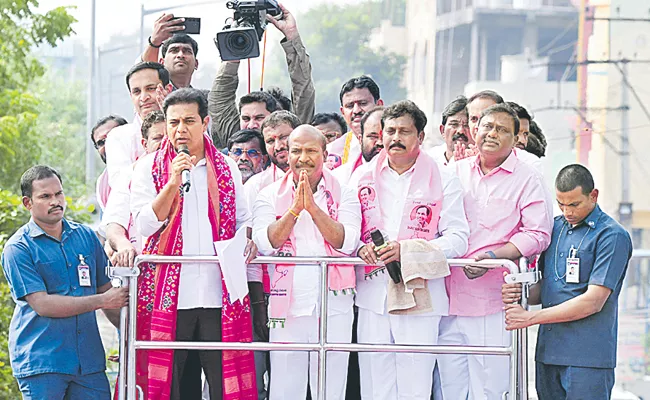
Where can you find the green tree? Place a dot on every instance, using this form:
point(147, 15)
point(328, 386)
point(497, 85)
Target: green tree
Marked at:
point(21, 29)
point(337, 39)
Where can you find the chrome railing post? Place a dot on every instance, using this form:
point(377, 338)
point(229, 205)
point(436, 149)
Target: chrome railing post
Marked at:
point(322, 338)
point(130, 342)
point(121, 377)
point(522, 335)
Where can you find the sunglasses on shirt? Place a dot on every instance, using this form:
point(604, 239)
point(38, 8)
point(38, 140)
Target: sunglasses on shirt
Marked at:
point(252, 153)
point(100, 143)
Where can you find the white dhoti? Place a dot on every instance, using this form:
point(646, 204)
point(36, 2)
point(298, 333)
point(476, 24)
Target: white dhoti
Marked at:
point(292, 370)
point(393, 376)
point(482, 377)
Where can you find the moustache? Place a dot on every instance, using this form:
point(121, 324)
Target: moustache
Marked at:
point(275, 152)
point(247, 163)
point(459, 136)
point(397, 145)
point(51, 210)
point(302, 165)
point(357, 115)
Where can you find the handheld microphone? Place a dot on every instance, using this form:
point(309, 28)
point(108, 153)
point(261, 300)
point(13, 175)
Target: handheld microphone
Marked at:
point(394, 268)
point(185, 174)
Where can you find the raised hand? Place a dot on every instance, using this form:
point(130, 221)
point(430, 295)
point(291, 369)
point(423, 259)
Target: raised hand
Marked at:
point(164, 28)
point(287, 24)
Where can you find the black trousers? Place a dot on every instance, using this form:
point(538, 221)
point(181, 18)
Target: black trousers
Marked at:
point(199, 325)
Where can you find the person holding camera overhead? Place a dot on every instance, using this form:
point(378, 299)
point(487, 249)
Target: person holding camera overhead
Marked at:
point(227, 118)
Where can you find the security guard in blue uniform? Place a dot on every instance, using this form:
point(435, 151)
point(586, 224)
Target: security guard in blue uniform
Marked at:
point(582, 274)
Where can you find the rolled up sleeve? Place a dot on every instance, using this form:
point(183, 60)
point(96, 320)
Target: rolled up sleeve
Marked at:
point(349, 215)
point(263, 217)
point(452, 227)
point(143, 193)
point(534, 235)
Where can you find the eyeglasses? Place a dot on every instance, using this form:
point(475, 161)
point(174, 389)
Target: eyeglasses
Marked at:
point(252, 153)
point(100, 143)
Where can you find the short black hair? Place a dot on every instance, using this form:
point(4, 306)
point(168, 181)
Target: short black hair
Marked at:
point(502, 108)
point(283, 101)
point(163, 74)
point(521, 112)
point(153, 118)
point(36, 173)
point(426, 208)
point(104, 120)
point(270, 102)
point(187, 96)
point(245, 136)
point(180, 38)
point(361, 82)
point(456, 106)
point(487, 94)
point(405, 107)
point(572, 176)
point(535, 147)
point(367, 115)
point(278, 118)
point(323, 118)
point(536, 131)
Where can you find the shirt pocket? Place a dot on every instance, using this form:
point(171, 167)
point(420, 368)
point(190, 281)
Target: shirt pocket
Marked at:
point(55, 277)
point(499, 215)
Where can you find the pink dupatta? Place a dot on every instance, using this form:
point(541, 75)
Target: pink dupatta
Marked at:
point(421, 211)
point(158, 286)
point(341, 278)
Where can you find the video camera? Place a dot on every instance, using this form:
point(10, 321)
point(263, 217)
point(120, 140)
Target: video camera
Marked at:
point(240, 39)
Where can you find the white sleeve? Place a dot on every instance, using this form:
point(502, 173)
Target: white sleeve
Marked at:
point(263, 217)
point(118, 156)
point(350, 218)
point(118, 206)
point(244, 216)
point(143, 193)
point(452, 227)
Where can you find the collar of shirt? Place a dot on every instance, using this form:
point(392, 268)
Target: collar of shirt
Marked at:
point(591, 220)
point(35, 230)
point(386, 166)
point(508, 165)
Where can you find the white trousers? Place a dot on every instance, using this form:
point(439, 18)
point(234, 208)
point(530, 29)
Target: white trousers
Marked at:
point(472, 376)
point(292, 370)
point(390, 376)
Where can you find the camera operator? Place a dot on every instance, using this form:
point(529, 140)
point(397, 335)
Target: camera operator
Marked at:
point(227, 118)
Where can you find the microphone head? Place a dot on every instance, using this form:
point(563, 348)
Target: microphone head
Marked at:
point(377, 237)
point(184, 149)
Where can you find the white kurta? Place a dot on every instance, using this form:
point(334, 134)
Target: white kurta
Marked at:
point(200, 284)
point(388, 376)
point(291, 371)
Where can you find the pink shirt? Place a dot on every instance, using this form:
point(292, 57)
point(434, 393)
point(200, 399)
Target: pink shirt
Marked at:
point(509, 204)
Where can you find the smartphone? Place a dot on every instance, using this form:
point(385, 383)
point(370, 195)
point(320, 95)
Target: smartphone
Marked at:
point(192, 26)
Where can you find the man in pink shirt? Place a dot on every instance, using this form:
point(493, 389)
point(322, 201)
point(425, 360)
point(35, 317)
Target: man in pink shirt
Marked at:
point(510, 216)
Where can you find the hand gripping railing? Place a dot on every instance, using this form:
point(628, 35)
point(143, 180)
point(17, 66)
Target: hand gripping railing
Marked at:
point(123, 276)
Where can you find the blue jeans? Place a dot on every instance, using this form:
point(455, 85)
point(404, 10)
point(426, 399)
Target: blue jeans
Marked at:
point(559, 382)
point(65, 387)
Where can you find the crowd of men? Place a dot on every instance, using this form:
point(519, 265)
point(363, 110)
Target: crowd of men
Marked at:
point(192, 168)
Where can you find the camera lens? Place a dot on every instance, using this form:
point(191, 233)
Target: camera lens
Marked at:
point(239, 43)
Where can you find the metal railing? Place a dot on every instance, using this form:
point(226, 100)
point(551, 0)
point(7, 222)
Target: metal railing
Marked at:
point(126, 276)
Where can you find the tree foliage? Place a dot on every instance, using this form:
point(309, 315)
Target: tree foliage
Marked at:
point(337, 38)
point(21, 141)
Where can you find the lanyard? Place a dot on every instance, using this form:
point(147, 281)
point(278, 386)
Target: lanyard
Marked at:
point(575, 251)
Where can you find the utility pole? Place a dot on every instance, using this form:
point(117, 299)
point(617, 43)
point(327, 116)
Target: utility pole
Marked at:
point(625, 206)
point(90, 106)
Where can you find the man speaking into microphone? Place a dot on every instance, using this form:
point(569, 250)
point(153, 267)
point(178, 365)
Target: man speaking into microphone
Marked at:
point(184, 197)
point(404, 180)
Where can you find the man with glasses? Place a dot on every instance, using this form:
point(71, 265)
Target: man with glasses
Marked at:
point(245, 147)
point(98, 136)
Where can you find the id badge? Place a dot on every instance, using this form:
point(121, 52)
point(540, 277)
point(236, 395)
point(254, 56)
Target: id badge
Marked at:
point(84, 272)
point(573, 270)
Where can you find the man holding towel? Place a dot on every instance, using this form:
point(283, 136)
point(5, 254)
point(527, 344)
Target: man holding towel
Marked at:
point(405, 179)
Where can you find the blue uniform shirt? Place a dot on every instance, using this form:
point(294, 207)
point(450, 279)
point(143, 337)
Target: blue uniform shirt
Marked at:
point(35, 262)
point(604, 254)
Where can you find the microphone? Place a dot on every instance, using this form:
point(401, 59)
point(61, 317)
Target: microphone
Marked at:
point(394, 268)
point(185, 174)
